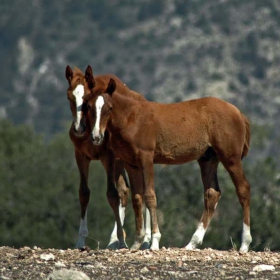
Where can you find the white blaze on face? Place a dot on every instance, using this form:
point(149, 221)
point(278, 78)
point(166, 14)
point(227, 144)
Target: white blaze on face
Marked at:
point(98, 106)
point(79, 93)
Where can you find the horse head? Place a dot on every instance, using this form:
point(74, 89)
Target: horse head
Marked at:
point(98, 106)
point(78, 87)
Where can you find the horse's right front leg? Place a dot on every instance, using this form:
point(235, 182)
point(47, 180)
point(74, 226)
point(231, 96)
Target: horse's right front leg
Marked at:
point(123, 193)
point(84, 195)
point(108, 162)
point(136, 184)
point(150, 196)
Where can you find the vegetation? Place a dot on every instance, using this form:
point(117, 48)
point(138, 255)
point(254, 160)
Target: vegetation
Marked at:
point(167, 50)
point(39, 187)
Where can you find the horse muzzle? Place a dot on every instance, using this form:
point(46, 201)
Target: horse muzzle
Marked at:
point(97, 140)
point(80, 129)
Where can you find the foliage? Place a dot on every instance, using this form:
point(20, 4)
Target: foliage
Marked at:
point(39, 187)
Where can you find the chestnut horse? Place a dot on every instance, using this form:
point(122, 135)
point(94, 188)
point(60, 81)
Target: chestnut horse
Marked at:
point(85, 151)
point(144, 133)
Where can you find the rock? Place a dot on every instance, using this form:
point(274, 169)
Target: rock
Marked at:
point(67, 274)
point(264, 267)
point(59, 264)
point(47, 257)
point(144, 270)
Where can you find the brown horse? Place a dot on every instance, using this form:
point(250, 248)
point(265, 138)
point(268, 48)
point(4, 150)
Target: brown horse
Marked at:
point(85, 151)
point(208, 130)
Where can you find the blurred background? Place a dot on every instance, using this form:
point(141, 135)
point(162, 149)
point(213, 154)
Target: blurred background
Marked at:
point(168, 50)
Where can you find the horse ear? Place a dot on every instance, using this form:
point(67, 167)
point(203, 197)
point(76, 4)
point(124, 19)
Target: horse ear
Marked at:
point(111, 87)
point(88, 72)
point(69, 73)
point(89, 77)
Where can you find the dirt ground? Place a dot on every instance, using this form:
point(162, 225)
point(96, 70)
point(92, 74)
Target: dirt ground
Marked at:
point(171, 263)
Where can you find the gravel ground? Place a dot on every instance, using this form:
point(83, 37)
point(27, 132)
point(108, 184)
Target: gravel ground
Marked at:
point(171, 263)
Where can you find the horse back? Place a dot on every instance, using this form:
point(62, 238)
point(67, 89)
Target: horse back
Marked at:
point(189, 128)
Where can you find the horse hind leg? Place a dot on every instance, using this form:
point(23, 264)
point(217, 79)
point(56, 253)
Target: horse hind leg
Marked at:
point(242, 186)
point(208, 167)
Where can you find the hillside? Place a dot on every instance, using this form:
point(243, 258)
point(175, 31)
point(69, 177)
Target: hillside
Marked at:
point(167, 50)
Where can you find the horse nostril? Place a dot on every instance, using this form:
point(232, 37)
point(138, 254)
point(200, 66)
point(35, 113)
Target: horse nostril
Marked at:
point(95, 139)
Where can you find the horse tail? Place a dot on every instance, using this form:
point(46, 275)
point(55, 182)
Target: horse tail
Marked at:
point(247, 138)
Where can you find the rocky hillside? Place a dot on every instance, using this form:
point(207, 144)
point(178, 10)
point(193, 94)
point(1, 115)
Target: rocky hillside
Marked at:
point(167, 50)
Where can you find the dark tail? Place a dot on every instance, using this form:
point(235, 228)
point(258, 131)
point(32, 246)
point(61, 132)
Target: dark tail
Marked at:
point(247, 138)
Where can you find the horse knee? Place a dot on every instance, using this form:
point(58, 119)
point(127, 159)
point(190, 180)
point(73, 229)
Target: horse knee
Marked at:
point(123, 192)
point(211, 197)
point(137, 202)
point(150, 200)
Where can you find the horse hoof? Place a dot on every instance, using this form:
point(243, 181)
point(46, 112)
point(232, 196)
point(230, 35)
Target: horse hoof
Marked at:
point(145, 246)
point(113, 246)
point(123, 246)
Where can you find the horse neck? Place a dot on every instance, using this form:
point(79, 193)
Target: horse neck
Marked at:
point(123, 108)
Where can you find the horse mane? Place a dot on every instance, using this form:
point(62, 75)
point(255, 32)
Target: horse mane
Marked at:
point(102, 84)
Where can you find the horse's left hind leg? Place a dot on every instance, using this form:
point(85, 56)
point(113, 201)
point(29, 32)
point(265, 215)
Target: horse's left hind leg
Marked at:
point(235, 169)
point(212, 193)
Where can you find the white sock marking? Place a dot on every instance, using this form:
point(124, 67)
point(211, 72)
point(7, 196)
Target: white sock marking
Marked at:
point(197, 237)
point(83, 232)
point(78, 92)
point(98, 105)
point(114, 235)
point(246, 238)
point(148, 230)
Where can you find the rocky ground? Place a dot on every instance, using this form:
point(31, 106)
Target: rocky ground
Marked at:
point(171, 263)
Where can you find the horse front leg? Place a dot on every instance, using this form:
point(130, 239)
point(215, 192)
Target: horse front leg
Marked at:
point(212, 194)
point(84, 195)
point(136, 185)
point(150, 197)
point(123, 192)
point(108, 162)
point(148, 231)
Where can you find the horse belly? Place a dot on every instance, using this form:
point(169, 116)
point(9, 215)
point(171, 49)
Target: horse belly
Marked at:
point(178, 156)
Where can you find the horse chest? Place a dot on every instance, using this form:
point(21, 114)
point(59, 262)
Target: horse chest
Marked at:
point(124, 150)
